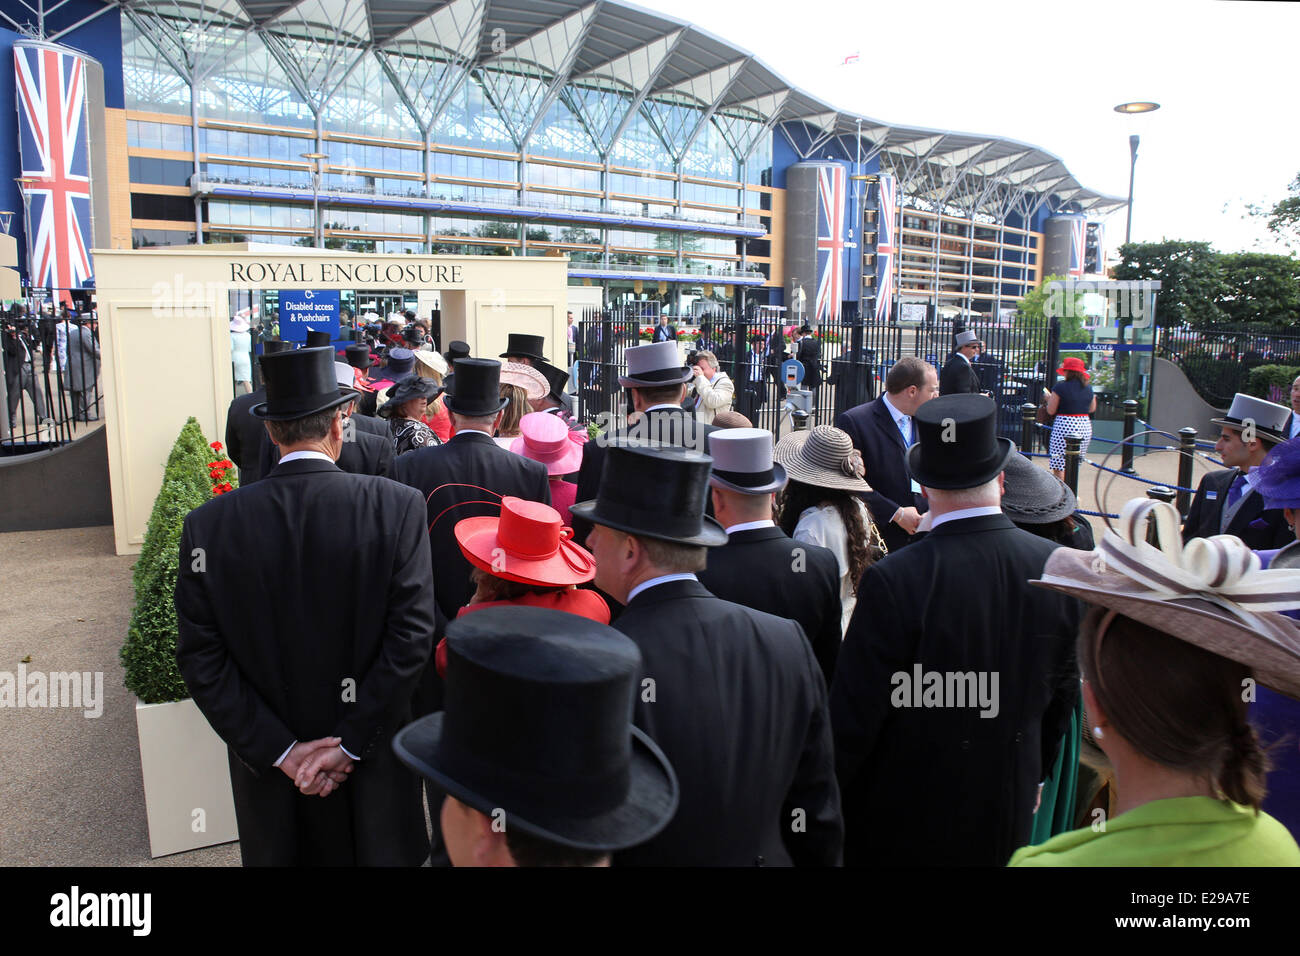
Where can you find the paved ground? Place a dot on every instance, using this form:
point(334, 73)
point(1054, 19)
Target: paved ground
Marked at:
point(70, 787)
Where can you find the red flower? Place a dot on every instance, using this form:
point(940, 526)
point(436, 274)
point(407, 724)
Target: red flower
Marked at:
point(215, 446)
point(227, 463)
point(227, 487)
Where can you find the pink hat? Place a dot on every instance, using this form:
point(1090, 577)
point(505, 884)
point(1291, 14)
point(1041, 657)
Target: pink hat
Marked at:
point(546, 439)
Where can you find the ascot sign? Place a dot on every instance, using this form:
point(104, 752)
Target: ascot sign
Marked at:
point(403, 274)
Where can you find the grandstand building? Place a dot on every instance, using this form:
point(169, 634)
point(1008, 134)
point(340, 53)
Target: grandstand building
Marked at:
point(666, 164)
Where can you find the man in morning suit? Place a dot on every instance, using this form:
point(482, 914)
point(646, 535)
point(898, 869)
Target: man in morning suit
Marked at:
point(950, 700)
point(656, 381)
point(665, 331)
point(878, 428)
point(364, 451)
point(1226, 501)
point(809, 352)
point(733, 696)
point(958, 375)
point(304, 681)
point(760, 566)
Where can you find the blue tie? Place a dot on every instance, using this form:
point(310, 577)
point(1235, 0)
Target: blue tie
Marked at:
point(1237, 489)
point(905, 429)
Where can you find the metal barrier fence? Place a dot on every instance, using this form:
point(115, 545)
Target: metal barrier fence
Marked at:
point(51, 379)
point(845, 364)
point(1218, 362)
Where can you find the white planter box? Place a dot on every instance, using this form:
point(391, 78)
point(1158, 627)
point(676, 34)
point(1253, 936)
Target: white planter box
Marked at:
point(185, 770)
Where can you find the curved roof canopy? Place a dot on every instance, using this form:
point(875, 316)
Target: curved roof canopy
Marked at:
point(530, 53)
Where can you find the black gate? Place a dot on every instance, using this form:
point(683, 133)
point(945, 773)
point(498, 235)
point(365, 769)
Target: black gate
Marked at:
point(846, 364)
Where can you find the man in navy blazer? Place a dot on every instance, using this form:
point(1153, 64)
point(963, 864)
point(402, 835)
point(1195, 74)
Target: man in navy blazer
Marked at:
point(877, 429)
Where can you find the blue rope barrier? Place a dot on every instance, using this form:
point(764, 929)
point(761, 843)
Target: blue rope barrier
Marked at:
point(1137, 477)
point(1097, 514)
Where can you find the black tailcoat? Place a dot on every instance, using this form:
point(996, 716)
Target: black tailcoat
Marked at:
point(740, 710)
point(875, 435)
point(958, 376)
point(373, 425)
point(244, 435)
point(269, 644)
point(668, 425)
point(470, 458)
point(942, 785)
point(764, 569)
point(810, 354)
point(1259, 527)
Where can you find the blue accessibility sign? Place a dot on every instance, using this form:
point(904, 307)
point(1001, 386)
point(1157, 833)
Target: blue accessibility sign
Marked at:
point(1103, 347)
point(308, 310)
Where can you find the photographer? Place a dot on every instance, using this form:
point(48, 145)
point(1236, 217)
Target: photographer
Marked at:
point(20, 370)
point(713, 388)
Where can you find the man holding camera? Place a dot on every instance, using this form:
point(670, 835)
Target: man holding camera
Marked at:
point(712, 388)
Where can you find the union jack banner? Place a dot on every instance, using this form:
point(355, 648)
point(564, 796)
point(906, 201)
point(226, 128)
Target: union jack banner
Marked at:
point(1078, 240)
point(55, 152)
point(886, 216)
point(830, 242)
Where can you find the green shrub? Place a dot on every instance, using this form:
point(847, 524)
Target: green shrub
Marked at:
point(149, 652)
point(1265, 378)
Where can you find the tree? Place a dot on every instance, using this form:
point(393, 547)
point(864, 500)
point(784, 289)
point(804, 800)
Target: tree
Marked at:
point(1190, 276)
point(1284, 217)
point(1259, 287)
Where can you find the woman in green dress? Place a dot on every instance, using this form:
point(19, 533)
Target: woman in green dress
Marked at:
point(1169, 656)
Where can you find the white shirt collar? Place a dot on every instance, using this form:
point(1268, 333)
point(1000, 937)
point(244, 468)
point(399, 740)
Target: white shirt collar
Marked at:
point(751, 525)
point(966, 513)
point(665, 405)
point(894, 413)
point(305, 455)
point(662, 579)
point(965, 356)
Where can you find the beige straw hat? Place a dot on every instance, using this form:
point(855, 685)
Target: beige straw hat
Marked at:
point(1209, 592)
point(822, 456)
point(526, 377)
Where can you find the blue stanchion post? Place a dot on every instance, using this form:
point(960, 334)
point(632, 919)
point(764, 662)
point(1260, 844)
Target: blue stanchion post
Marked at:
point(1186, 454)
point(1130, 427)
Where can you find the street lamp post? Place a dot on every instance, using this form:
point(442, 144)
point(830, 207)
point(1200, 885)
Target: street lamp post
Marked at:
point(25, 183)
point(1131, 108)
point(316, 231)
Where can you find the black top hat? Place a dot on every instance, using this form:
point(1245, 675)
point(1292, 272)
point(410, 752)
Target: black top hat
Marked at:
point(456, 351)
point(272, 346)
point(536, 724)
point(556, 377)
point(359, 356)
point(525, 346)
point(317, 340)
point(477, 388)
point(298, 384)
point(407, 389)
point(634, 482)
point(805, 330)
point(958, 445)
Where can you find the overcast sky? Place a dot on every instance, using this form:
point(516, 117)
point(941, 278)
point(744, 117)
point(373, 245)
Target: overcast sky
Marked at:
point(1049, 73)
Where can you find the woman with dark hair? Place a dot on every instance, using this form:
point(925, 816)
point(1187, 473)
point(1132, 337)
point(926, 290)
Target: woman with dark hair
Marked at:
point(1043, 505)
point(820, 503)
point(1072, 401)
point(407, 403)
point(1169, 657)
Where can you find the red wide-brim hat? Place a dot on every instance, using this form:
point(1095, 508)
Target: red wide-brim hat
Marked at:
point(525, 543)
point(1073, 364)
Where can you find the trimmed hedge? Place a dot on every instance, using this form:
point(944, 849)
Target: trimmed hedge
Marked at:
point(149, 652)
point(1264, 378)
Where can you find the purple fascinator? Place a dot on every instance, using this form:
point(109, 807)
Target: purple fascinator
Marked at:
point(1278, 478)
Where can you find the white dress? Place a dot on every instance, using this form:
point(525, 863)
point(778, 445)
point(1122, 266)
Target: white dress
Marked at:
point(822, 526)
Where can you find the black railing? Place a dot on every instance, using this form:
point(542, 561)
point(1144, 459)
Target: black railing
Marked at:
point(51, 379)
point(1218, 362)
point(852, 360)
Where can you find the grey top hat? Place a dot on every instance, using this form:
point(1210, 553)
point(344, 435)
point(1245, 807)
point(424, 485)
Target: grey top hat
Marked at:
point(650, 366)
point(1288, 558)
point(742, 461)
point(1269, 418)
point(1033, 496)
point(967, 338)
